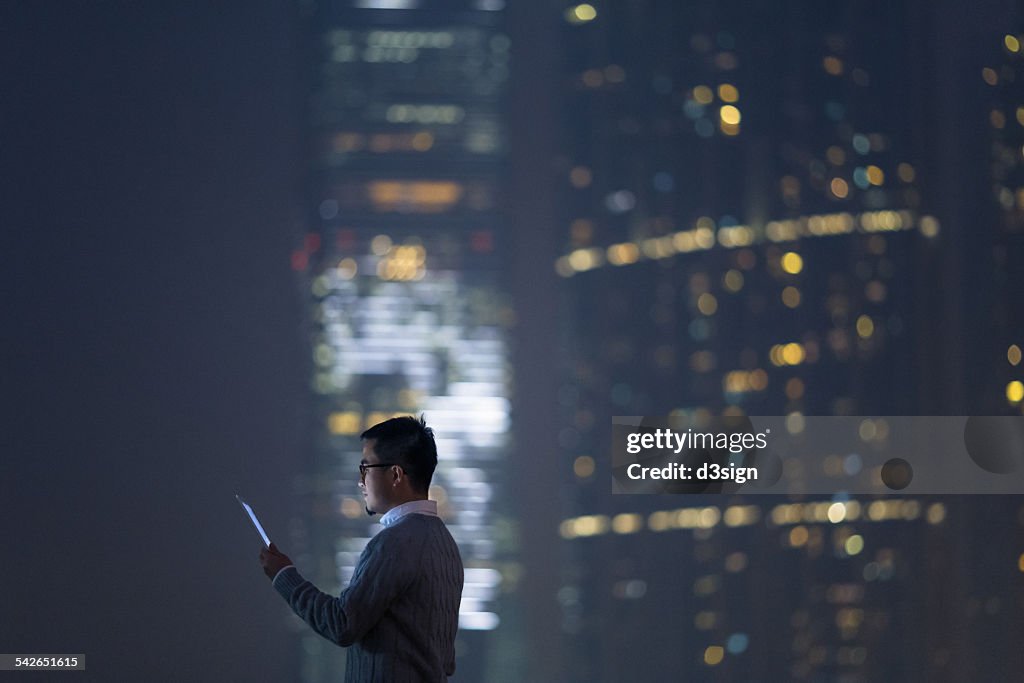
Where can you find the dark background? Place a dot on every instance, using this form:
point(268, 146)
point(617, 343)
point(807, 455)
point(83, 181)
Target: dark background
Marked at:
point(153, 341)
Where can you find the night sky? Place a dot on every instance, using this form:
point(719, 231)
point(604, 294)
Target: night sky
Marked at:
point(154, 359)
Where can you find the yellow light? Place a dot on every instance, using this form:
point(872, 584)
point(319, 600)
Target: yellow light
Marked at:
point(704, 237)
point(929, 226)
point(798, 536)
point(580, 177)
point(584, 13)
point(348, 268)
point(702, 361)
point(591, 525)
point(875, 291)
point(865, 326)
point(1012, 43)
point(792, 262)
point(714, 655)
point(836, 512)
point(736, 562)
point(791, 297)
point(730, 115)
point(626, 523)
point(707, 304)
point(585, 259)
point(794, 388)
point(1020, 115)
point(614, 73)
point(906, 172)
point(1014, 391)
point(422, 141)
point(418, 195)
point(990, 76)
point(833, 65)
point(741, 515)
point(733, 280)
point(703, 94)
point(659, 521)
point(793, 354)
point(839, 188)
point(795, 422)
point(351, 508)
point(623, 254)
point(704, 620)
point(936, 513)
point(593, 78)
point(581, 230)
point(875, 175)
point(1013, 355)
point(728, 93)
point(583, 466)
point(854, 544)
point(729, 129)
point(1020, 562)
point(709, 517)
point(344, 423)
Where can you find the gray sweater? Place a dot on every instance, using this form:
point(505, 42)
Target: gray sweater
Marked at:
point(399, 614)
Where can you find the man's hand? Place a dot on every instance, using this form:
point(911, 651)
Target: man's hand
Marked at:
point(273, 561)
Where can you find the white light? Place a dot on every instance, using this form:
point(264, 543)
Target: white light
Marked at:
point(482, 576)
point(478, 621)
point(386, 4)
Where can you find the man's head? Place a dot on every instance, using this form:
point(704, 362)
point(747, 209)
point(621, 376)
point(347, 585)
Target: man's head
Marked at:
point(404, 454)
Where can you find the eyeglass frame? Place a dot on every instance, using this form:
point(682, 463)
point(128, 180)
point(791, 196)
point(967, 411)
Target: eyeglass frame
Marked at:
point(363, 467)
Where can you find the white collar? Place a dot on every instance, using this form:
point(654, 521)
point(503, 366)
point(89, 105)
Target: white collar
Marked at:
point(418, 507)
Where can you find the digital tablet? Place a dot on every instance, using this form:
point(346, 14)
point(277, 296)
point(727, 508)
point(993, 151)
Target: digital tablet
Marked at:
point(255, 522)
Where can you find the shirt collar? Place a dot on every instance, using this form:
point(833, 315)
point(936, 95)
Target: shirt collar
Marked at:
point(418, 507)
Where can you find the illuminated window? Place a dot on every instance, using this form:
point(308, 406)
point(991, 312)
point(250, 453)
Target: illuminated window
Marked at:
point(420, 196)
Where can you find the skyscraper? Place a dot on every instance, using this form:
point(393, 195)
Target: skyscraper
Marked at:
point(750, 230)
point(408, 315)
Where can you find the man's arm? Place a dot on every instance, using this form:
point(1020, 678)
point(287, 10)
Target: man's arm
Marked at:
point(380, 577)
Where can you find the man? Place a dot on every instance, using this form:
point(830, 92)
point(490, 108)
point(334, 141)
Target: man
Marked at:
point(399, 614)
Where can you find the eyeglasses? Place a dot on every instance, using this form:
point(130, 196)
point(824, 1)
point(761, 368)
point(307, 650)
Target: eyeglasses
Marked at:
point(363, 467)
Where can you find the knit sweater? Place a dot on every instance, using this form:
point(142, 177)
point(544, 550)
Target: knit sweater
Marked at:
point(399, 614)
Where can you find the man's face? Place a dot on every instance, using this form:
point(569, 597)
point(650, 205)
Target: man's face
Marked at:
point(376, 483)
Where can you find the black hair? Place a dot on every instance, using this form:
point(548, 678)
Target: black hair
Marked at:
point(407, 442)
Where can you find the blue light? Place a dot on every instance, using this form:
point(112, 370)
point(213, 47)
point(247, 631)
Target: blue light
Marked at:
point(693, 109)
point(737, 643)
point(860, 178)
point(700, 329)
point(664, 182)
point(861, 143)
